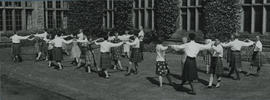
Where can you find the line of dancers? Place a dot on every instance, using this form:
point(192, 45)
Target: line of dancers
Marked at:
point(113, 47)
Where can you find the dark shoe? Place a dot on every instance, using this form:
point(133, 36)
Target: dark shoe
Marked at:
point(128, 74)
point(192, 92)
point(209, 87)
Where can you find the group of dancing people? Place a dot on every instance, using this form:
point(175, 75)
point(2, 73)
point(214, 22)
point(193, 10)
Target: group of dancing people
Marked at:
point(130, 46)
point(213, 58)
point(112, 48)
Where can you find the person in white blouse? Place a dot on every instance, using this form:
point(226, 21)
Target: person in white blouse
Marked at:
point(216, 66)
point(41, 45)
point(125, 38)
point(191, 49)
point(16, 46)
point(256, 56)
point(135, 56)
point(58, 42)
point(235, 59)
point(162, 68)
point(105, 59)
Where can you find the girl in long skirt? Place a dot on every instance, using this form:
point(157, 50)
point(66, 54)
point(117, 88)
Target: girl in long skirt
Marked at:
point(116, 53)
point(75, 50)
point(105, 59)
point(216, 67)
point(135, 56)
point(50, 50)
point(256, 57)
point(162, 69)
point(58, 51)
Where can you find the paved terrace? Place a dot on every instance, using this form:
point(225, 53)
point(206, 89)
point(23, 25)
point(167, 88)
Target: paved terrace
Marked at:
point(79, 85)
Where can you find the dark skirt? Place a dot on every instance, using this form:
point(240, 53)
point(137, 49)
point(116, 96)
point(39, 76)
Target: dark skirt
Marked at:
point(58, 54)
point(256, 59)
point(50, 55)
point(89, 58)
point(190, 70)
point(16, 49)
point(105, 61)
point(235, 59)
point(136, 55)
point(162, 68)
point(116, 53)
point(216, 66)
point(83, 52)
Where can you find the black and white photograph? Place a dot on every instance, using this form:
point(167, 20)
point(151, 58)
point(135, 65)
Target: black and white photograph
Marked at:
point(135, 49)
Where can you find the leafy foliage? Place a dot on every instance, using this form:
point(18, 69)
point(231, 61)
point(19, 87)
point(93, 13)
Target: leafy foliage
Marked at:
point(86, 15)
point(123, 15)
point(221, 18)
point(166, 13)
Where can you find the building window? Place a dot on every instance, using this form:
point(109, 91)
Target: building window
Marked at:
point(58, 19)
point(8, 4)
point(192, 19)
point(193, 2)
point(109, 14)
point(18, 19)
point(50, 19)
point(9, 20)
point(268, 1)
point(143, 14)
point(49, 4)
point(28, 19)
point(248, 1)
point(247, 19)
point(58, 4)
point(201, 19)
point(184, 18)
point(17, 4)
point(184, 2)
point(1, 20)
point(28, 4)
point(1, 3)
point(259, 1)
point(258, 19)
point(189, 19)
point(268, 21)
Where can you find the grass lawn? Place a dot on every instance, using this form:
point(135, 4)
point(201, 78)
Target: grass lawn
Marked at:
point(79, 85)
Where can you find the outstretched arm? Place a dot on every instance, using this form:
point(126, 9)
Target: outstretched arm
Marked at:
point(177, 47)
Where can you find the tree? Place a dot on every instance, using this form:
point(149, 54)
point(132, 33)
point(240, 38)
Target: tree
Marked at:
point(166, 13)
point(221, 18)
point(86, 15)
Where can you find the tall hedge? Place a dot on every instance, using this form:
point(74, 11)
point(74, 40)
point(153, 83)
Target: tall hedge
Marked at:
point(166, 13)
point(123, 15)
point(221, 18)
point(86, 15)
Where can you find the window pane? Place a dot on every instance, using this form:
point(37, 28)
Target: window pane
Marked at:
point(259, 1)
point(18, 19)
point(258, 19)
point(200, 19)
point(136, 18)
point(150, 3)
point(192, 19)
point(1, 3)
point(110, 4)
point(200, 2)
point(268, 21)
point(184, 19)
point(49, 4)
point(9, 19)
point(58, 19)
point(150, 20)
point(8, 4)
point(268, 1)
point(142, 3)
point(184, 2)
point(17, 4)
point(50, 19)
point(247, 19)
point(1, 20)
point(192, 2)
point(248, 1)
point(111, 19)
point(58, 4)
point(142, 18)
point(28, 3)
point(28, 19)
point(136, 3)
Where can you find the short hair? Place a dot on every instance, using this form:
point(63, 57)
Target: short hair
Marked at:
point(132, 38)
point(192, 36)
point(105, 37)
